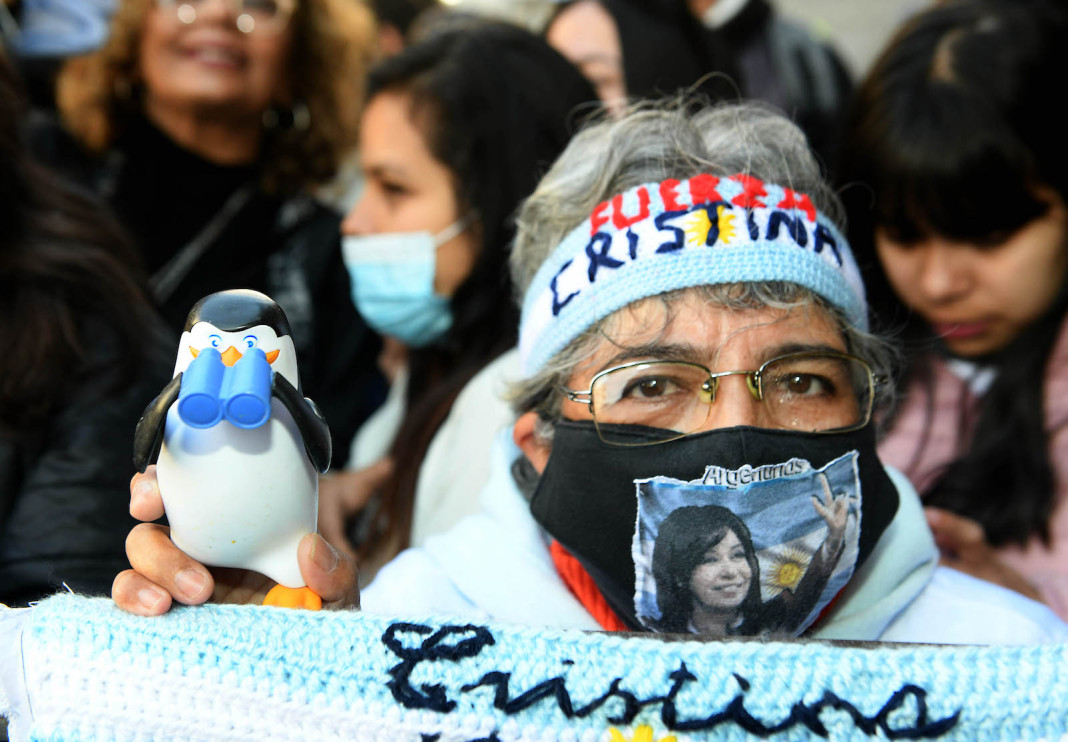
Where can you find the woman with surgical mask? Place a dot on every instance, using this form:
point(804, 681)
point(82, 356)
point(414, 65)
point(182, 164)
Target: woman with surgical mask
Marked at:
point(455, 132)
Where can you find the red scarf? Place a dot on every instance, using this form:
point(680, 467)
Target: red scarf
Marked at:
point(581, 585)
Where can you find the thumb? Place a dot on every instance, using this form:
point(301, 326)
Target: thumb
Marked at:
point(330, 573)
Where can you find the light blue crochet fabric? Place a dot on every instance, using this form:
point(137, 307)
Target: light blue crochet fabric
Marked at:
point(659, 237)
point(236, 673)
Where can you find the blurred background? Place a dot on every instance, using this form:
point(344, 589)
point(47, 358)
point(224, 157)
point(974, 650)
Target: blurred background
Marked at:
point(858, 28)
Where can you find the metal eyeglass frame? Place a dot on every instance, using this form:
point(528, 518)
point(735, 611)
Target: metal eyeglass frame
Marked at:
point(753, 382)
point(186, 12)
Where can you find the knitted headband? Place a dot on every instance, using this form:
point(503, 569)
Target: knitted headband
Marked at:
point(659, 237)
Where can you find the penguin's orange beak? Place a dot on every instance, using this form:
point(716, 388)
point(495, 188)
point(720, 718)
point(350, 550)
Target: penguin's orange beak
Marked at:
point(231, 356)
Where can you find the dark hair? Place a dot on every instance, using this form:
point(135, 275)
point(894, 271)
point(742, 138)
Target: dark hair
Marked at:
point(683, 539)
point(401, 14)
point(954, 131)
point(496, 105)
point(62, 265)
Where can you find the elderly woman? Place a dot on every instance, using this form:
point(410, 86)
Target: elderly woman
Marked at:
point(205, 125)
point(692, 333)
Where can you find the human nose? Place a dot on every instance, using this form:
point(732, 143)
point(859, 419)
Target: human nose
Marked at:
point(942, 272)
point(358, 220)
point(735, 404)
point(728, 570)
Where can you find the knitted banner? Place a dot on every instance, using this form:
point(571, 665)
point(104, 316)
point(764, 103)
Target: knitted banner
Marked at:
point(93, 672)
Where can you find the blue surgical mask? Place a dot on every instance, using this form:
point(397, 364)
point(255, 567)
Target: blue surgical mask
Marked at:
point(392, 279)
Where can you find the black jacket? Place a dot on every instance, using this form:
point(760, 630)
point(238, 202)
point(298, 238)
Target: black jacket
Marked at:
point(64, 485)
point(288, 247)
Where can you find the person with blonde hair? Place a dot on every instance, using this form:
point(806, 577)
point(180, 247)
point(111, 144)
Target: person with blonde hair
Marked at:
point(205, 124)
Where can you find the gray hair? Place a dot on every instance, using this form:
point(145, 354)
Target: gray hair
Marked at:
point(650, 144)
point(655, 142)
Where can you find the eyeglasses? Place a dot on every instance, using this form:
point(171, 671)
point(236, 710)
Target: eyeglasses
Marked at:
point(261, 16)
point(812, 392)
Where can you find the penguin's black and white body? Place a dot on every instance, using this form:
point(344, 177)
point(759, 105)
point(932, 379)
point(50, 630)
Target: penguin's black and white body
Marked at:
point(239, 496)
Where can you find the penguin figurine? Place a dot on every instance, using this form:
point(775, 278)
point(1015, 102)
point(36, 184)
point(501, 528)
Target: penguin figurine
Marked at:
point(236, 444)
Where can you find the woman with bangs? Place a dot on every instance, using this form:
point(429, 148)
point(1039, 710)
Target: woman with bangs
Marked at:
point(956, 185)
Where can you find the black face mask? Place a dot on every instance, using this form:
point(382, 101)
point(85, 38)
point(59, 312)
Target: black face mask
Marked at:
point(588, 499)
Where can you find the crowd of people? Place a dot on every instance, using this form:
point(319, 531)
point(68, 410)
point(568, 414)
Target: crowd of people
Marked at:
point(653, 320)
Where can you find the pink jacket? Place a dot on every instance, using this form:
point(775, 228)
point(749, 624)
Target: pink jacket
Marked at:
point(922, 460)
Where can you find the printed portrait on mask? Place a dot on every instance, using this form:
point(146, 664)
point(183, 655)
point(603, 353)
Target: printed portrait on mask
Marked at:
point(754, 551)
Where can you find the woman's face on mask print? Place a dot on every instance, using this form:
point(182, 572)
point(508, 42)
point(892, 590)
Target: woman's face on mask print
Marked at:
point(721, 580)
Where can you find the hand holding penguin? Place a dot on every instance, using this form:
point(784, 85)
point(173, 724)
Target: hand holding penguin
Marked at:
point(162, 573)
point(238, 447)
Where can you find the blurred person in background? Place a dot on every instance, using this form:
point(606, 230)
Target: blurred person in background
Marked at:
point(43, 34)
point(778, 60)
point(631, 50)
point(205, 124)
point(456, 131)
point(395, 21)
point(956, 178)
point(82, 352)
point(728, 49)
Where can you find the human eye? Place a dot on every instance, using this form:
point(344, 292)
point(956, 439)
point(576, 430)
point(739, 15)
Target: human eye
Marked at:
point(393, 191)
point(655, 394)
point(816, 392)
point(993, 240)
point(657, 383)
point(802, 384)
point(806, 376)
point(393, 187)
point(651, 387)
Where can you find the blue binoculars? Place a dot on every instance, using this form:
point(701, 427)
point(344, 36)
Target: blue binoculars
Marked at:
point(212, 391)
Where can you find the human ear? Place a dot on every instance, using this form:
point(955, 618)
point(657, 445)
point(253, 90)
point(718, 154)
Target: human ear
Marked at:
point(536, 450)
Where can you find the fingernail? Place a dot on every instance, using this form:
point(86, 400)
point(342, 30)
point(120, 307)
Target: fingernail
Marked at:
point(150, 598)
point(142, 490)
point(190, 583)
point(324, 557)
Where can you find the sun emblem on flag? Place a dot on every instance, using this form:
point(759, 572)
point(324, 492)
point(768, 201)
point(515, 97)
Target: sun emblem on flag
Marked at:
point(786, 570)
